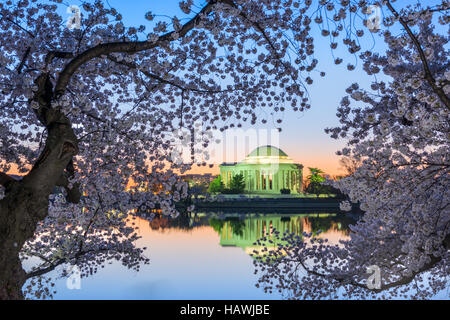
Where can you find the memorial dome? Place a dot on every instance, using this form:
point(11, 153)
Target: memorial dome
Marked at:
point(267, 151)
point(268, 155)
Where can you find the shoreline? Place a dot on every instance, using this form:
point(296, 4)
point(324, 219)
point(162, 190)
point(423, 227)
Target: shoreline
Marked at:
point(270, 204)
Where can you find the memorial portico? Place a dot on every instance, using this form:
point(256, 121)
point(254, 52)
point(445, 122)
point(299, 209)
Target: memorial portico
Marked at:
point(266, 169)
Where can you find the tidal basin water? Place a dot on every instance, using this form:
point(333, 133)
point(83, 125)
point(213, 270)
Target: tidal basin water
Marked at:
point(202, 256)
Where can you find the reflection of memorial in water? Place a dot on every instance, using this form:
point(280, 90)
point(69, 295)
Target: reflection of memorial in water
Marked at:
point(244, 233)
point(243, 230)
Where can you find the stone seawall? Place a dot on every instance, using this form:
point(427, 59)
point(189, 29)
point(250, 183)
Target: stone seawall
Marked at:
point(270, 204)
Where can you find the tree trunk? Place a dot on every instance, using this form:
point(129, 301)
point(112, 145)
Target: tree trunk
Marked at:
point(17, 225)
point(26, 204)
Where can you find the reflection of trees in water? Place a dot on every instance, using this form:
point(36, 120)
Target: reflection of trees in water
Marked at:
point(159, 222)
point(250, 232)
point(341, 223)
point(237, 225)
point(294, 223)
point(184, 221)
point(216, 224)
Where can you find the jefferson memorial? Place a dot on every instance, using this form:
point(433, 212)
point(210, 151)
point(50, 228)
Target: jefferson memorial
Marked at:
point(267, 169)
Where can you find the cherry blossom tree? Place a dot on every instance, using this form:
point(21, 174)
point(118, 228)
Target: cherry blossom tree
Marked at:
point(93, 106)
point(349, 164)
point(398, 130)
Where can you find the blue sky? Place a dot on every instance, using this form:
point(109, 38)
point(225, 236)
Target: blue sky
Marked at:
point(303, 137)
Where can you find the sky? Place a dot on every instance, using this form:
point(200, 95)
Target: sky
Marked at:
point(302, 136)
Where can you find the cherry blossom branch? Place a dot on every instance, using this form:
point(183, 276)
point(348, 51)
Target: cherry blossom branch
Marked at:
point(90, 115)
point(80, 247)
point(420, 164)
point(19, 26)
point(124, 47)
point(260, 29)
point(73, 193)
point(428, 75)
point(439, 8)
point(57, 54)
point(24, 59)
point(384, 287)
point(59, 262)
point(162, 80)
point(80, 252)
